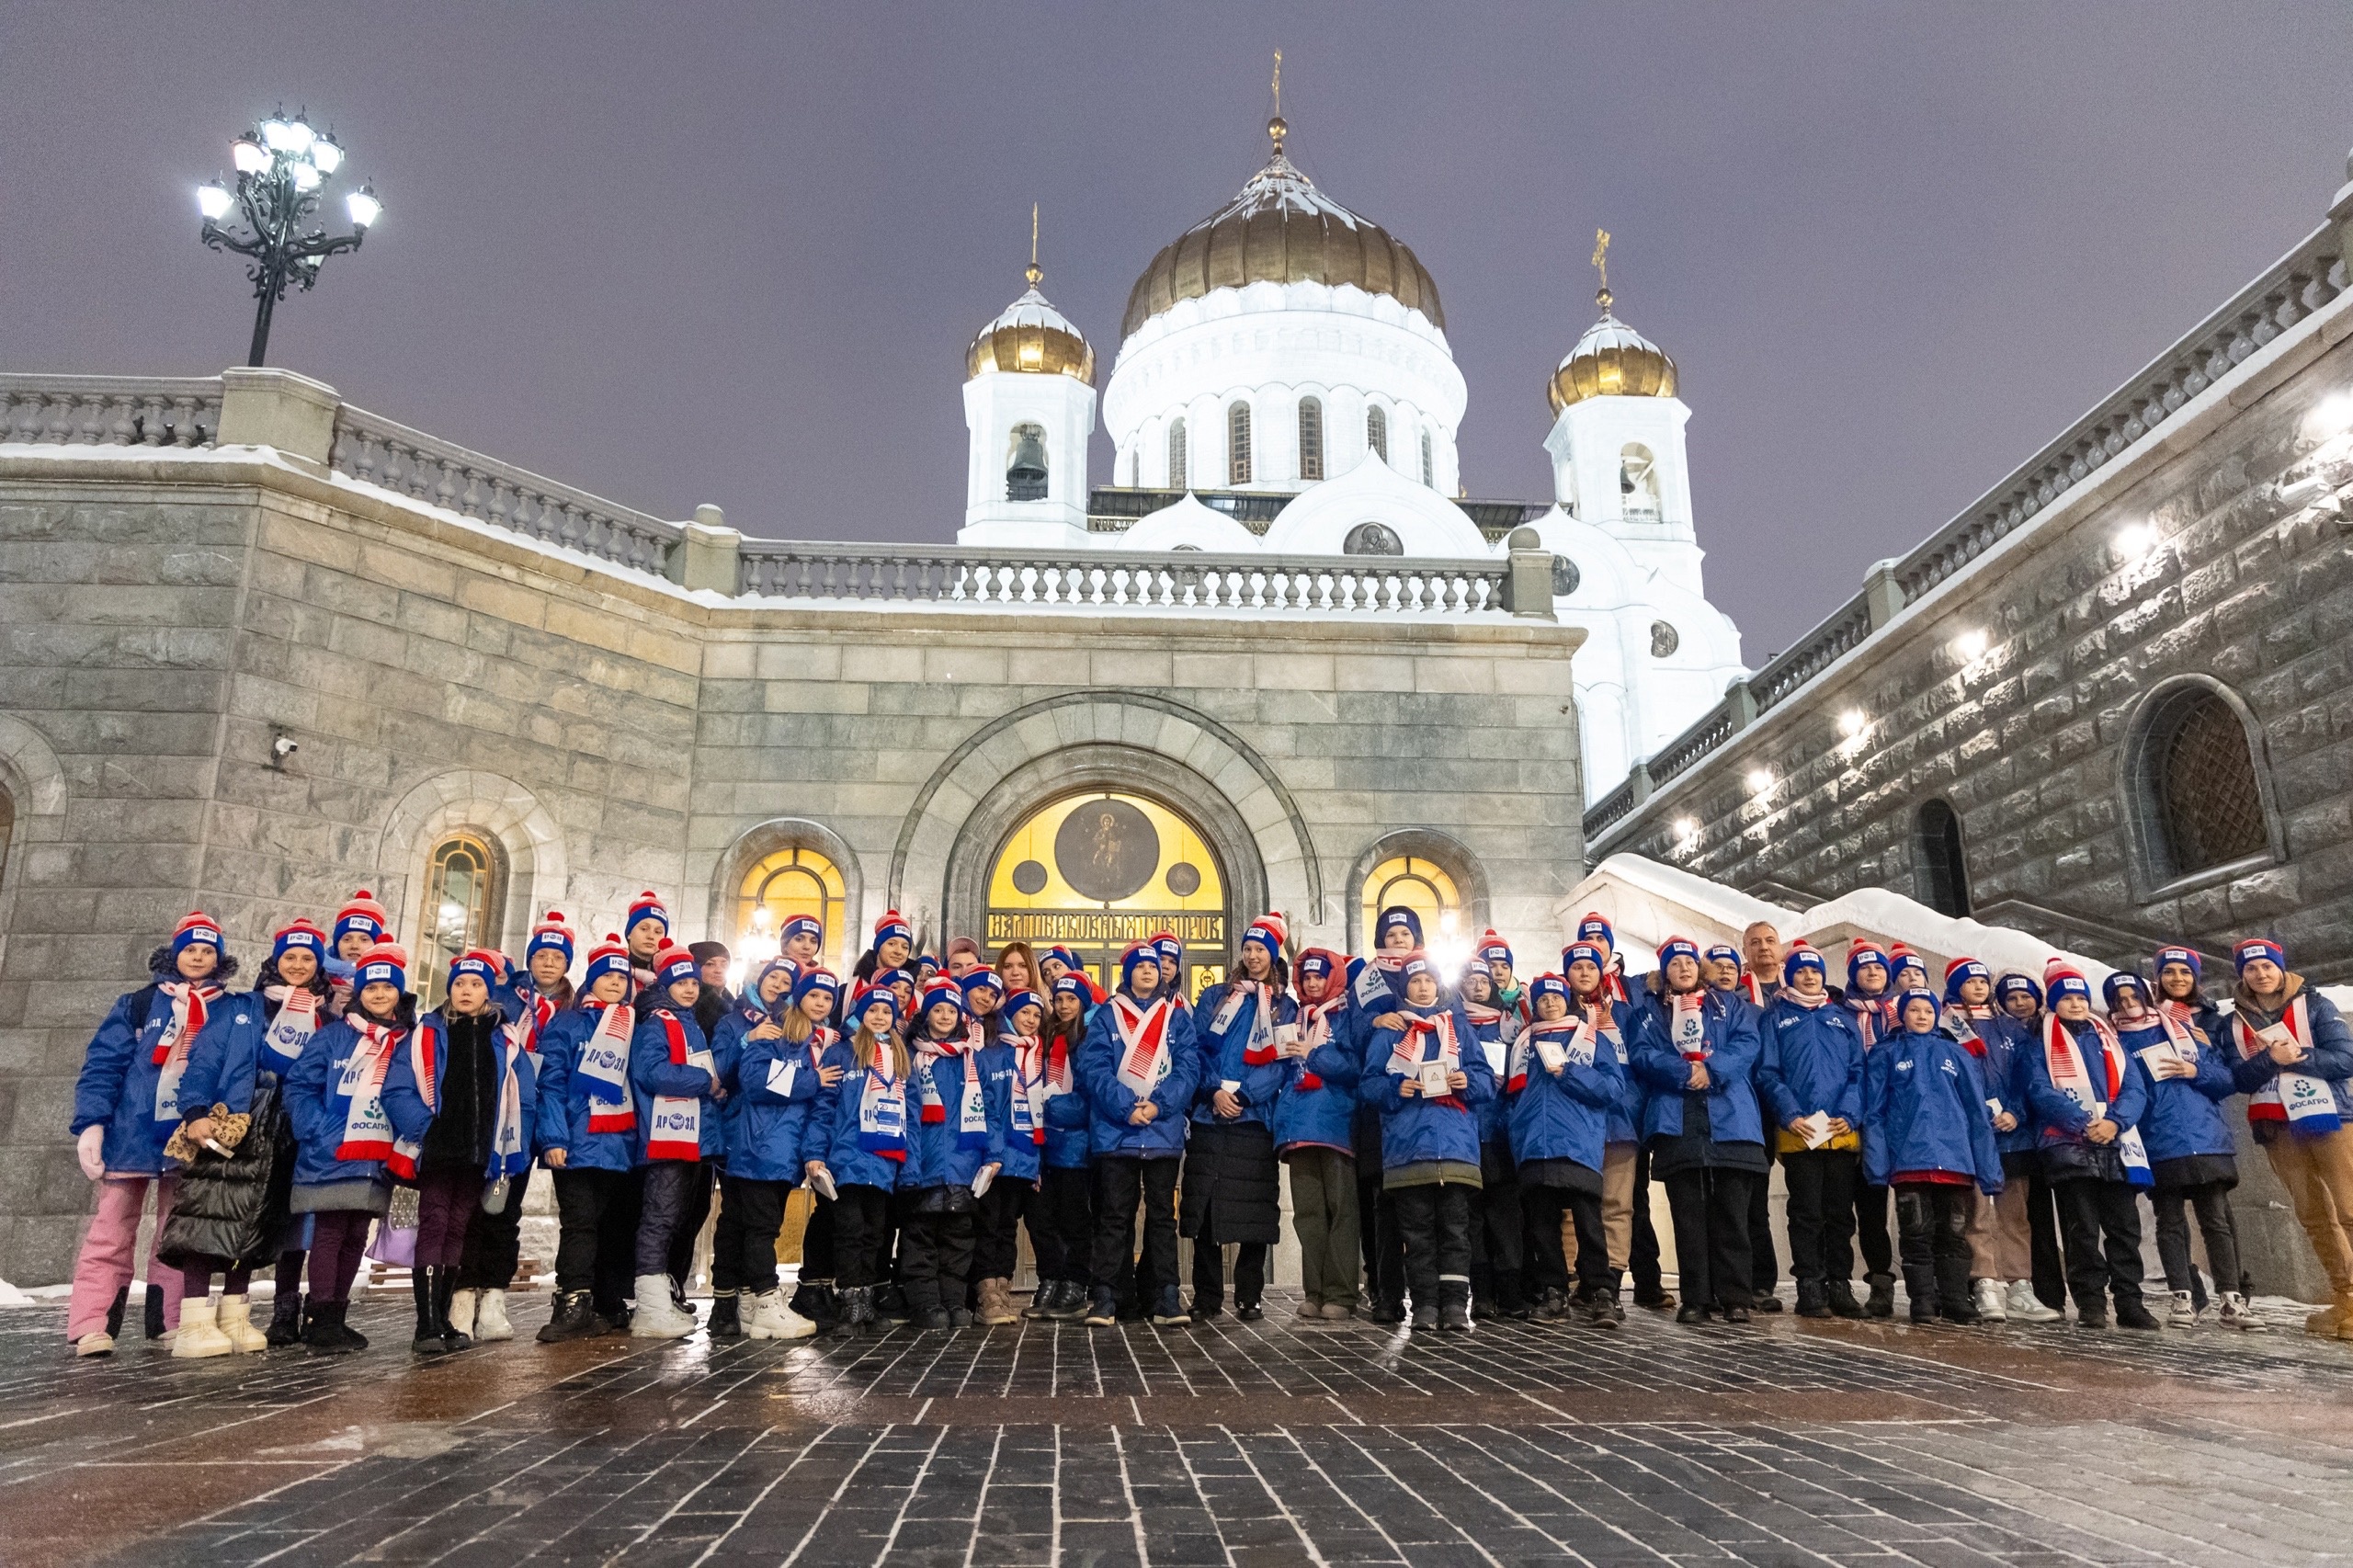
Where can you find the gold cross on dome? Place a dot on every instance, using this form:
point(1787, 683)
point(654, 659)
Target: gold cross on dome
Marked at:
point(1601, 262)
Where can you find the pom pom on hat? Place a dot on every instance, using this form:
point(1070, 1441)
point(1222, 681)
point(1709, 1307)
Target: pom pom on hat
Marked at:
point(1267, 931)
point(893, 924)
point(607, 957)
point(299, 934)
point(1860, 953)
point(551, 934)
point(1396, 915)
point(199, 928)
point(2062, 979)
point(2186, 957)
point(944, 991)
point(672, 964)
point(2255, 947)
point(362, 914)
point(476, 962)
point(386, 963)
point(1593, 927)
point(1677, 947)
point(1492, 948)
point(1169, 946)
point(647, 905)
point(1803, 957)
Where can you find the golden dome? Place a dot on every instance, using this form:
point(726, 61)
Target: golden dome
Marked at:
point(1280, 229)
point(1031, 335)
point(1611, 361)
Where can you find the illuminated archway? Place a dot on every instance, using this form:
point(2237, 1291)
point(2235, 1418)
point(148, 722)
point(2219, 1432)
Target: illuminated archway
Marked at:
point(1421, 885)
point(789, 882)
point(1099, 871)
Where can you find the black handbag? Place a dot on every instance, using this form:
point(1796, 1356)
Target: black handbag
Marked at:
point(233, 1207)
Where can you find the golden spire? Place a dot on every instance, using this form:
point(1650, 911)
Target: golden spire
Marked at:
point(1601, 261)
point(1035, 273)
point(1275, 129)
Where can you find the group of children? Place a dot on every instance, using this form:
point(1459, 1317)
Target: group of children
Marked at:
point(1457, 1147)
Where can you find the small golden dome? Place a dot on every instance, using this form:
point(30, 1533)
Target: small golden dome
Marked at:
point(1611, 361)
point(1280, 229)
point(1033, 336)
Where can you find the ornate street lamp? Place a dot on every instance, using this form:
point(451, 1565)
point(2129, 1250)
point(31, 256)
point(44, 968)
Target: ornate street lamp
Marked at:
point(282, 167)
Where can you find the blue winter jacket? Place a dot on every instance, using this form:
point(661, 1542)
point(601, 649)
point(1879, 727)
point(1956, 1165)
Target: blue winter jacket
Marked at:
point(938, 1154)
point(1810, 1059)
point(1222, 1056)
point(1494, 1030)
point(779, 1097)
point(2184, 1115)
point(319, 1108)
point(1924, 1109)
point(404, 1103)
point(2001, 1069)
point(1319, 1106)
point(2059, 1122)
point(117, 1085)
point(1417, 1131)
point(652, 1072)
point(1565, 1114)
point(1731, 1048)
point(1022, 1150)
point(229, 1059)
point(1109, 1102)
point(727, 1051)
point(2331, 1047)
point(1069, 1142)
point(831, 1134)
point(563, 1109)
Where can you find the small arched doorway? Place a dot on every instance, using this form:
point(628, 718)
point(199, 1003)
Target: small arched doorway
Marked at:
point(1096, 871)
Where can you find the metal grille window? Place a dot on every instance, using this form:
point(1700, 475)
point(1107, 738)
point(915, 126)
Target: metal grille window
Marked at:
point(465, 888)
point(1944, 875)
point(1177, 477)
point(1310, 438)
point(1237, 443)
point(1429, 474)
point(1376, 432)
point(2202, 778)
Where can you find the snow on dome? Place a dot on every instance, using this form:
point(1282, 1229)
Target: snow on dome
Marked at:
point(1031, 335)
point(1611, 361)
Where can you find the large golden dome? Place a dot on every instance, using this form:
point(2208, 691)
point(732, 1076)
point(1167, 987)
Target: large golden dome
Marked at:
point(1611, 361)
point(1033, 336)
point(1280, 229)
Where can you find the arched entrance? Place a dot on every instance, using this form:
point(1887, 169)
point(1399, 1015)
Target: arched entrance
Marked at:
point(1097, 870)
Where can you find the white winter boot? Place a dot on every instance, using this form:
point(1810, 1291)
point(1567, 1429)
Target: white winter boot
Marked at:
point(1989, 1302)
point(2025, 1306)
point(234, 1321)
point(2236, 1313)
point(461, 1311)
point(776, 1319)
point(490, 1316)
point(2184, 1312)
point(200, 1335)
point(657, 1316)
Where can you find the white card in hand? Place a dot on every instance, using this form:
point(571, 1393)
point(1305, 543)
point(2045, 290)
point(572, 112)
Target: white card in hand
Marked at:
point(821, 1181)
point(2156, 1058)
point(981, 1182)
point(1815, 1129)
point(1993, 1106)
point(1434, 1081)
point(1549, 1051)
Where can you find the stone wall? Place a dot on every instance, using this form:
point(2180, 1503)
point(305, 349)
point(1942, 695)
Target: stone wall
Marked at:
point(168, 616)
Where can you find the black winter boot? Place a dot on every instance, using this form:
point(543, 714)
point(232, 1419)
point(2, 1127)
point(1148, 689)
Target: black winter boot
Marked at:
point(114, 1312)
point(1883, 1299)
point(1454, 1306)
point(1841, 1293)
point(1920, 1284)
point(573, 1319)
point(1814, 1299)
point(324, 1330)
point(285, 1321)
point(154, 1320)
point(725, 1320)
point(1952, 1290)
point(428, 1340)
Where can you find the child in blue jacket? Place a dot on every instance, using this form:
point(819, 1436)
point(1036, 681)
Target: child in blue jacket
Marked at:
point(678, 1093)
point(586, 1135)
point(1563, 1078)
point(1428, 1079)
point(2087, 1102)
point(1233, 1183)
point(1928, 1135)
point(1062, 1216)
point(1313, 1136)
point(787, 1067)
point(1013, 1075)
point(1810, 1072)
point(1499, 1274)
point(766, 1000)
point(1140, 1064)
point(858, 1147)
point(955, 1152)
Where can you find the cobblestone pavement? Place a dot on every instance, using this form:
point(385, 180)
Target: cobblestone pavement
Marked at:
point(1251, 1444)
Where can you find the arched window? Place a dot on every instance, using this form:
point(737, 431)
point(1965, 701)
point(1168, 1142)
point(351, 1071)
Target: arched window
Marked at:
point(1376, 432)
point(1024, 477)
point(1429, 473)
point(1372, 538)
point(464, 905)
point(1237, 443)
point(1311, 438)
point(8, 831)
point(789, 882)
point(2200, 804)
point(1943, 877)
point(1177, 477)
point(1422, 886)
point(1638, 484)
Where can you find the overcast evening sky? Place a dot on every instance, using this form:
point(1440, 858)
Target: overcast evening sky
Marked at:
point(697, 251)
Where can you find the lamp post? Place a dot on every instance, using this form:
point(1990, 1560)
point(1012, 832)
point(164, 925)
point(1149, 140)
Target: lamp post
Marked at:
point(282, 166)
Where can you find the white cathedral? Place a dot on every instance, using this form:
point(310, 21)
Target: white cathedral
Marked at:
point(1284, 387)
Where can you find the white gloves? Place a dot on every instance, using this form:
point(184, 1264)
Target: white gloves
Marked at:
point(90, 1149)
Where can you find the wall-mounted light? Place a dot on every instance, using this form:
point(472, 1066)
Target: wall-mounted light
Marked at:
point(1686, 833)
point(1972, 645)
point(1759, 781)
point(2333, 416)
point(2135, 540)
point(1852, 722)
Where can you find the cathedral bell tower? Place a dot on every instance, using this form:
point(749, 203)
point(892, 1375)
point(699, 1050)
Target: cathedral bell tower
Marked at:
point(1029, 412)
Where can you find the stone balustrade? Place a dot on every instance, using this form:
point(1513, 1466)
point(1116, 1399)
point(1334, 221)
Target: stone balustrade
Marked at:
point(109, 411)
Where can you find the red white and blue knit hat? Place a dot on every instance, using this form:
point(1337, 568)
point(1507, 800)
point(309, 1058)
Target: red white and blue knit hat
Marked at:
point(1017, 1000)
point(869, 997)
point(1416, 963)
point(386, 963)
point(362, 914)
point(1801, 957)
point(673, 963)
point(816, 977)
point(799, 925)
point(981, 980)
point(893, 924)
point(1136, 953)
point(1492, 948)
point(944, 991)
point(198, 928)
point(1545, 985)
point(607, 957)
point(2254, 947)
point(1860, 952)
point(1320, 960)
point(1074, 985)
point(552, 935)
point(2061, 978)
point(1961, 971)
point(1171, 950)
point(647, 905)
point(1921, 993)
point(2186, 957)
point(299, 933)
point(1268, 932)
point(1723, 952)
point(1677, 947)
point(1588, 952)
point(1068, 958)
point(1593, 927)
point(478, 963)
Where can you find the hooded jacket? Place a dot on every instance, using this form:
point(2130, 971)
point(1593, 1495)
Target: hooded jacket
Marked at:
point(1224, 1053)
point(1319, 1106)
point(1420, 1130)
point(1565, 1115)
point(1731, 1047)
point(782, 1098)
point(1810, 1059)
point(116, 1086)
point(2184, 1115)
point(1924, 1109)
point(562, 1101)
point(1109, 1101)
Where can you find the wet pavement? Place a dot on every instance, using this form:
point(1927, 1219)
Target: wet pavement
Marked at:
point(1277, 1442)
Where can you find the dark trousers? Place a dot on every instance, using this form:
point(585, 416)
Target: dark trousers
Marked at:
point(1550, 1260)
point(861, 1231)
point(196, 1278)
point(1062, 1222)
point(446, 1202)
point(2100, 1222)
point(1433, 1221)
point(759, 1211)
point(1763, 1269)
point(817, 1241)
point(1641, 1255)
point(1121, 1180)
point(997, 1242)
point(1932, 1223)
point(935, 1257)
point(595, 1234)
point(1821, 1213)
point(494, 1242)
point(2042, 1236)
point(338, 1245)
point(1871, 1234)
point(1498, 1259)
point(1376, 1233)
point(1709, 1206)
point(2212, 1202)
point(1209, 1273)
point(675, 1196)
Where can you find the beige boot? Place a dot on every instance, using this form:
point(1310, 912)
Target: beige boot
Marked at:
point(199, 1335)
point(463, 1304)
point(490, 1316)
point(996, 1296)
point(234, 1320)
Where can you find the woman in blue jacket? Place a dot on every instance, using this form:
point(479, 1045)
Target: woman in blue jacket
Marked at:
point(678, 1093)
point(1565, 1076)
point(761, 1007)
point(1233, 1184)
point(858, 1148)
point(1429, 1078)
point(587, 1134)
point(1696, 1052)
point(1313, 1136)
point(1013, 1075)
point(1062, 1216)
point(955, 1152)
point(2192, 1158)
point(2087, 1103)
point(787, 1067)
point(343, 1136)
point(1928, 1135)
point(1499, 1272)
point(1810, 1071)
point(1139, 1064)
